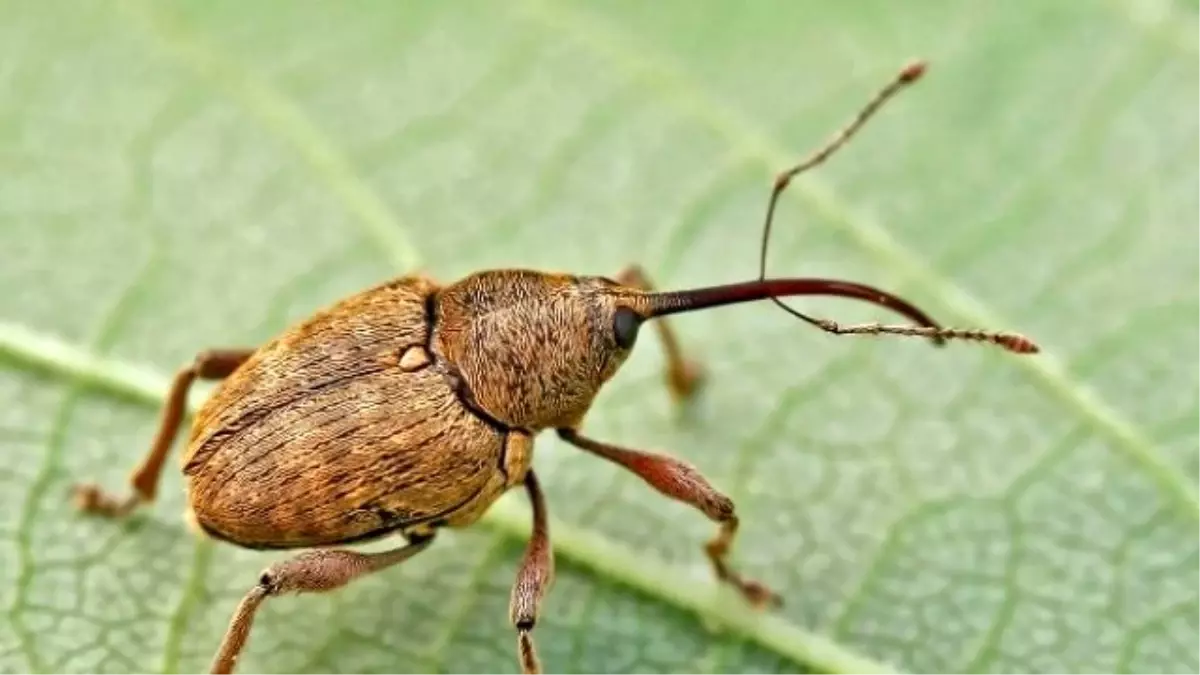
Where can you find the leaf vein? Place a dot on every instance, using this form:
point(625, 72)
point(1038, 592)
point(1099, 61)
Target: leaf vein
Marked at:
point(468, 595)
point(193, 590)
point(105, 332)
point(281, 116)
point(601, 555)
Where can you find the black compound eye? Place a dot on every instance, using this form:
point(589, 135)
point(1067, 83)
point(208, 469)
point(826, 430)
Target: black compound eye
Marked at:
point(626, 323)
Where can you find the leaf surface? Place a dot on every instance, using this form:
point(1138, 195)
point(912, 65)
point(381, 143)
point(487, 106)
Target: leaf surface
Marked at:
point(184, 175)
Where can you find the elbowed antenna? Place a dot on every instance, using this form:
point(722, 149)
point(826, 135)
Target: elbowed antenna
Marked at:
point(672, 302)
point(660, 304)
point(907, 75)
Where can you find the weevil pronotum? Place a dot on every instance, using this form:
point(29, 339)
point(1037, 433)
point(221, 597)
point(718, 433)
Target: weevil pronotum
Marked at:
point(412, 406)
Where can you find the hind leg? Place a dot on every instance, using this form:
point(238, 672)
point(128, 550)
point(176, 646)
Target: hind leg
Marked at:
point(215, 364)
point(309, 572)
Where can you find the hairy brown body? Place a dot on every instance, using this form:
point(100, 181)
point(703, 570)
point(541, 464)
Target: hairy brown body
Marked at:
point(411, 406)
point(323, 436)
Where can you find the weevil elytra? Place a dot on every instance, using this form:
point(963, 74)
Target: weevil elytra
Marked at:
point(412, 406)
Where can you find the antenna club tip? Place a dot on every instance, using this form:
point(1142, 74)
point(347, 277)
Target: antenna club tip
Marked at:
point(913, 71)
point(1019, 344)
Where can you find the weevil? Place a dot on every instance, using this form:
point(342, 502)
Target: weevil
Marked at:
point(412, 406)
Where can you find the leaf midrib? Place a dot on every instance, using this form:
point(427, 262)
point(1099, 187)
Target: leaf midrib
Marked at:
point(605, 557)
point(596, 552)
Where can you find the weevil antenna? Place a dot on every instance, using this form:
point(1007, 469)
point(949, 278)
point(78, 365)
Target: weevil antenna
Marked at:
point(911, 73)
point(664, 303)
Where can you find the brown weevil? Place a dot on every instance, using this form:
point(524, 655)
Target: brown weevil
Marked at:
point(413, 406)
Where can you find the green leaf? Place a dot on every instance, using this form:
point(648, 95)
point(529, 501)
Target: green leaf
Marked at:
point(183, 175)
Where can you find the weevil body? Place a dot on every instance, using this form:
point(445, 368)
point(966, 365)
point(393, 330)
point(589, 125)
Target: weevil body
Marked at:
point(392, 410)
point(413, 406)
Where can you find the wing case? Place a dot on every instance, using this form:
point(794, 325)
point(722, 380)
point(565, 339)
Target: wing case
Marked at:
point(322, 438)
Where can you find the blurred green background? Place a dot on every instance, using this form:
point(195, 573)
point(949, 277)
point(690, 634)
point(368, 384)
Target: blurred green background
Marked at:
point(182, 175)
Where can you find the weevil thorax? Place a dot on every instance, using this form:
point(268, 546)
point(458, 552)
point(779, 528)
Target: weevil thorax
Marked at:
point(534, 348)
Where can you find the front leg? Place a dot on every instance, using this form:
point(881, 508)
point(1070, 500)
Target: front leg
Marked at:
point(533, 580)
point(684, 376)
point(681, 481)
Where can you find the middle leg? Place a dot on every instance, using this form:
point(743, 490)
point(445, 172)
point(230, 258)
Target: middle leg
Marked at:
point(681, 481)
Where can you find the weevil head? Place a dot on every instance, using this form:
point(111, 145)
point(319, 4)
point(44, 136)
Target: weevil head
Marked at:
point(533, 348)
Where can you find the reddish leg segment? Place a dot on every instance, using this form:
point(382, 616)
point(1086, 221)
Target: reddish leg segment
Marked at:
point(310, 572)
point(684, 376)
point(681, 481)
point(533, 580)
point(214, 364)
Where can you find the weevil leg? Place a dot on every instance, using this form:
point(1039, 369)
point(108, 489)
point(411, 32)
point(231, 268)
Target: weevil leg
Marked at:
point(684, 376)
point(215, 364)
point(316, 571)
point(533, 580)
point(681, 481)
